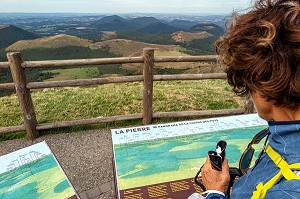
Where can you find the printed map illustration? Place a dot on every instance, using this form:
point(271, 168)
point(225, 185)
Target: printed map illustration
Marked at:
point(33, 172)
point(155, 154)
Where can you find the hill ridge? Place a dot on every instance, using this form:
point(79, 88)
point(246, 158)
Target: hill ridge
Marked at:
point(55, 41)
point(9, 34)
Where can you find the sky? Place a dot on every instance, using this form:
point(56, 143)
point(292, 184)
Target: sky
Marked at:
point(124, 6)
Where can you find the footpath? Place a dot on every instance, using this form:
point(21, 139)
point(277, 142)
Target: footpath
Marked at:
point(86, 158)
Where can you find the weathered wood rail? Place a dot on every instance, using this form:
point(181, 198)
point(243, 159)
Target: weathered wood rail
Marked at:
point(17, 68)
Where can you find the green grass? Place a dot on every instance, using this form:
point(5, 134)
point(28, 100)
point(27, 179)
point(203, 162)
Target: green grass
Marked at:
point(93, 72)
point(74, 73)
point(65, 104)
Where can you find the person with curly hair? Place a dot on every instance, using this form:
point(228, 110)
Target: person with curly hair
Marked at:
point(261, 53)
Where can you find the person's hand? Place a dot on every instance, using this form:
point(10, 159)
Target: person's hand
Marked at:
point(213, 179)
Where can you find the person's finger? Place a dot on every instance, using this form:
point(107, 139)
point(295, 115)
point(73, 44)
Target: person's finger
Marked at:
point(225, 165)
point(225, 161)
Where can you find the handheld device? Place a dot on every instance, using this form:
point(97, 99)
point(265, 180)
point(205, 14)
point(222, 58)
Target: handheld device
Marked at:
point(216, 158)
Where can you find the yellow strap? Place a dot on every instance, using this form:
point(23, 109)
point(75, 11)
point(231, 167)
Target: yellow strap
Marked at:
point(259, 192)
point(285, 171)
point(261, 189)
point(284, 167)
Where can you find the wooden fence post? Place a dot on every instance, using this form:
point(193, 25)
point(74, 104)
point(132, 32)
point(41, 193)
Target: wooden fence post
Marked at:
point(148, 85)
point(249, 106)
point(25, 100)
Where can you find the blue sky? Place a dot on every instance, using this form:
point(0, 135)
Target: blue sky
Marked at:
point(124, 6)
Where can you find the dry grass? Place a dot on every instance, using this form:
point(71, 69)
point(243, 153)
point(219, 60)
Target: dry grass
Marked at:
point(119, 99)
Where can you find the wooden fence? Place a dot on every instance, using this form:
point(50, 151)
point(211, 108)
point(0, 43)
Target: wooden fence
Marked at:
point(17, 68)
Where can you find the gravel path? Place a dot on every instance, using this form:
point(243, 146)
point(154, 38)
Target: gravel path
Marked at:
point(85, 156)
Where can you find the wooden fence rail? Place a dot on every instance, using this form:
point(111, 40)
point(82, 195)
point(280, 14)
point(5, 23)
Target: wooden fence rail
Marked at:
point(17, 68)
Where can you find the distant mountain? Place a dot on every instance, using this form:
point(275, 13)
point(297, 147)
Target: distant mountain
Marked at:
point(145, 24)
point(56, 41)
point(117, 23)
point(111, 23)
point(210, 28)
point(112, 18)
point(182, 24)
point(152, 25)
point(10, 34)
point(159, 28)
point(141, 22)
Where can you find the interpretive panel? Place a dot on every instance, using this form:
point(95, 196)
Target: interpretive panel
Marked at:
point(33, 172)
point(158, 161)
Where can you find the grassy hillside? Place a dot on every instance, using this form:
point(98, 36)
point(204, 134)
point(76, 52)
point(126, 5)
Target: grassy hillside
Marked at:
point(125, 47)
point(159, 28)
point(66, 52)
point(69, 52)
point(109, 48)
point(120, 99)
point(129, 48)
point(56, 41)
point(195, 42)
point(183, 36)
point(137, 35)
point(210, 28)
point(200, 46)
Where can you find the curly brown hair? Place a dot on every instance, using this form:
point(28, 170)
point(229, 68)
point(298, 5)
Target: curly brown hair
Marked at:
point(261, 52)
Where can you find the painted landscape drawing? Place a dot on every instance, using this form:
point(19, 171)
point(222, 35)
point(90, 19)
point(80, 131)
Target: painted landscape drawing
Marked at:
point(163, 153)
point(33, 172)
